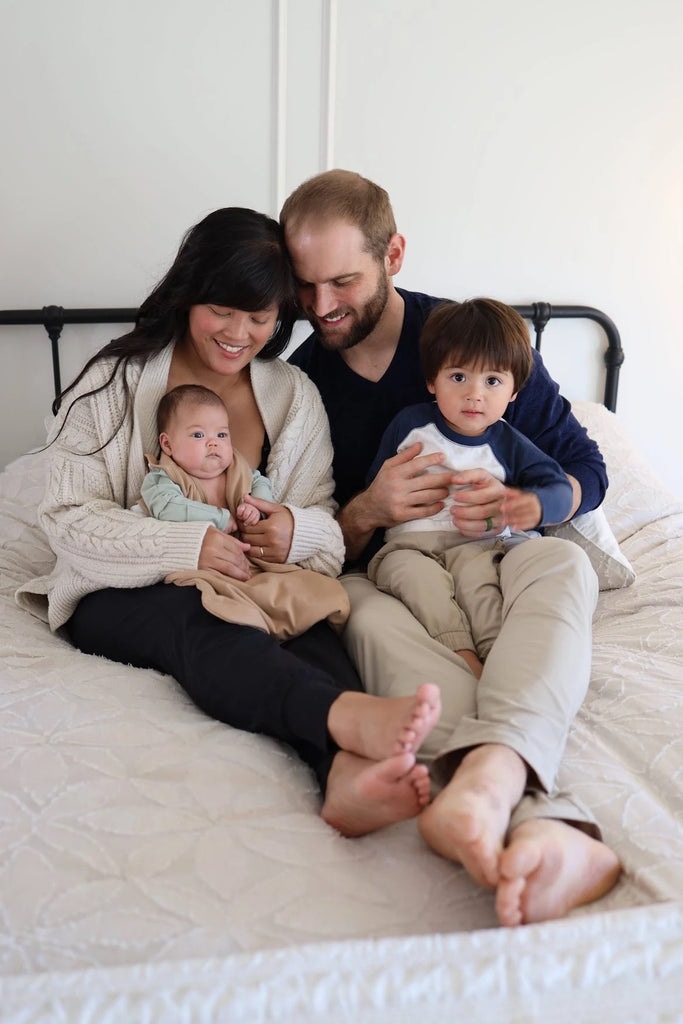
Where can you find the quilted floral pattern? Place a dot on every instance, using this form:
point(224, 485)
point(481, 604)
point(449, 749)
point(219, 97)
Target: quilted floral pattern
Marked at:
point(157, 849)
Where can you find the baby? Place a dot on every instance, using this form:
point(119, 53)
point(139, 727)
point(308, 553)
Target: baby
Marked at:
point(201, 477)
point(194, 436)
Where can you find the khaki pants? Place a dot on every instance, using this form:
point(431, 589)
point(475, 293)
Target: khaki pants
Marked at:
point(534, 679)
point(450, 584)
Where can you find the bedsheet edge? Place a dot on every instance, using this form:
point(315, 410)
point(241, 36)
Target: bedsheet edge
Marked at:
point(623, 964)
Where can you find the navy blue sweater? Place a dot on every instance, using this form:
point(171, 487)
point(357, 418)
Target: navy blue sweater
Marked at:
point(360, 410)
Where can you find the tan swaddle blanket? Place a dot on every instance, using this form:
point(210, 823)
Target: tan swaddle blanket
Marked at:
point(281, 599)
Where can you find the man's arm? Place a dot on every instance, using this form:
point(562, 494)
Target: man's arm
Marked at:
point(545, 417)
point(576, 497)
point(357, 525)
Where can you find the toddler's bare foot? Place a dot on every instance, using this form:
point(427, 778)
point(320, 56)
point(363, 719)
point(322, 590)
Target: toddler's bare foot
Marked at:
point(549, 868)
point(473, 662)
point(468, 819)
point(364, 795)
point(379, 727)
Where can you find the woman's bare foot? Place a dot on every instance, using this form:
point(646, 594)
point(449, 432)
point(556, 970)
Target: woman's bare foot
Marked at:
point(379, 727)
point(364, 795)
point(550, 867)
point(468, 819)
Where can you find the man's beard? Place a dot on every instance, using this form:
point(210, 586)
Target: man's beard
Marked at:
point(361, 327)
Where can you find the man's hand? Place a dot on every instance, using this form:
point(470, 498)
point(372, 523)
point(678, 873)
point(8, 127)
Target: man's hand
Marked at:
point(488, 505)
point(478, 508)
point(402, 490)
point(269, 538)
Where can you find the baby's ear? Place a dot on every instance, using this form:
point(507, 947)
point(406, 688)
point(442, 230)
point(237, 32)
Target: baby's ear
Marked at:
point(165, 444)
point(512, 397)
point(430, 387)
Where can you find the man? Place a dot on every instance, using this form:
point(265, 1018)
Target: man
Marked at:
point(498, 745)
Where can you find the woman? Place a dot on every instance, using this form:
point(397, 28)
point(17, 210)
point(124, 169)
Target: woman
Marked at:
point(220, 317)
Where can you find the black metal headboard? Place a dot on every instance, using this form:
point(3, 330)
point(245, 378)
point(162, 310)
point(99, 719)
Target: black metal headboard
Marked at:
point(54, 318)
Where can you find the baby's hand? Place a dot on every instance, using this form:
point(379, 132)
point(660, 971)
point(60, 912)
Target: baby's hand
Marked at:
point(247, 514)
point(232, 526)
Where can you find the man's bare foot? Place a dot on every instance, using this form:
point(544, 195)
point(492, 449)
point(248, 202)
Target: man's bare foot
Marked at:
point(364, 795)
point(379, 727)
point(550, 867)
point(468, 819)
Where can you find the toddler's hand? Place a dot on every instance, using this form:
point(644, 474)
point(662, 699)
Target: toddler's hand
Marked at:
point(520, 510)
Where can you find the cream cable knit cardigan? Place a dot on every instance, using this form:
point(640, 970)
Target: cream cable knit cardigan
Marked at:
point(87, 515)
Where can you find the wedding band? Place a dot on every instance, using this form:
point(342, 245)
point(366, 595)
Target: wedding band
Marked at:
point(261, 550)
point(489, 523)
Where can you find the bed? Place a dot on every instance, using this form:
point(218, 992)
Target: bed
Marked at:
point(157, 866)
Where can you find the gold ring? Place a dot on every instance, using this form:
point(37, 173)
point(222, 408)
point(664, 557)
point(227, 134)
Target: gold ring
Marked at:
point(489, 523)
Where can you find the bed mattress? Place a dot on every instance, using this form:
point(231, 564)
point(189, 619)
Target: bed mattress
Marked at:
point(158, 866)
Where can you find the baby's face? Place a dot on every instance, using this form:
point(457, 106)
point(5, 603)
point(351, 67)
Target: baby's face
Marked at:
point(198, 440)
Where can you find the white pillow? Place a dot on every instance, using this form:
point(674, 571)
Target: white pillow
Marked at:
point(592, 532)
point(636, 496)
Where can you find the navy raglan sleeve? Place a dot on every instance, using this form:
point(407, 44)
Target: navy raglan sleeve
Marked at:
point(545, 417)
point(530, 469)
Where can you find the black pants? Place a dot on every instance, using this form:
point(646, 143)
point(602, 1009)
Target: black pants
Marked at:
point(236, 674)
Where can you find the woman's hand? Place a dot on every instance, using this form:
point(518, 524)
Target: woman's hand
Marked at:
point(269, 538)
point(224, 553)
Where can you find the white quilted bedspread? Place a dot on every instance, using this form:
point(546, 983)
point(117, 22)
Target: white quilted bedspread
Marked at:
point(158, 866)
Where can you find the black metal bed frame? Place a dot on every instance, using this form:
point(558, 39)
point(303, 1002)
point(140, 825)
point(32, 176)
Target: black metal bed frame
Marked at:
point(54, 318)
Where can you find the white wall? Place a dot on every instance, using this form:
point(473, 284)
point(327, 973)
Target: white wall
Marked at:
point(533, 151)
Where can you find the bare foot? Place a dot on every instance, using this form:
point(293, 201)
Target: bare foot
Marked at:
point(549, 868)
point(379, 727)
point(364, 795)
point(468, 819)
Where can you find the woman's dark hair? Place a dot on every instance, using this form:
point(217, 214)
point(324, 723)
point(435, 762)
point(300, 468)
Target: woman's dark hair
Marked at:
point(233, 257)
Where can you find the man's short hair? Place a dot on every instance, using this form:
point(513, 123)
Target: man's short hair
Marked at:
point(344, 195)
point(478, 332)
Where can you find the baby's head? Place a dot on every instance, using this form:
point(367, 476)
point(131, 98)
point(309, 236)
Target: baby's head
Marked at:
point(475, 356)
point(193, 430)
